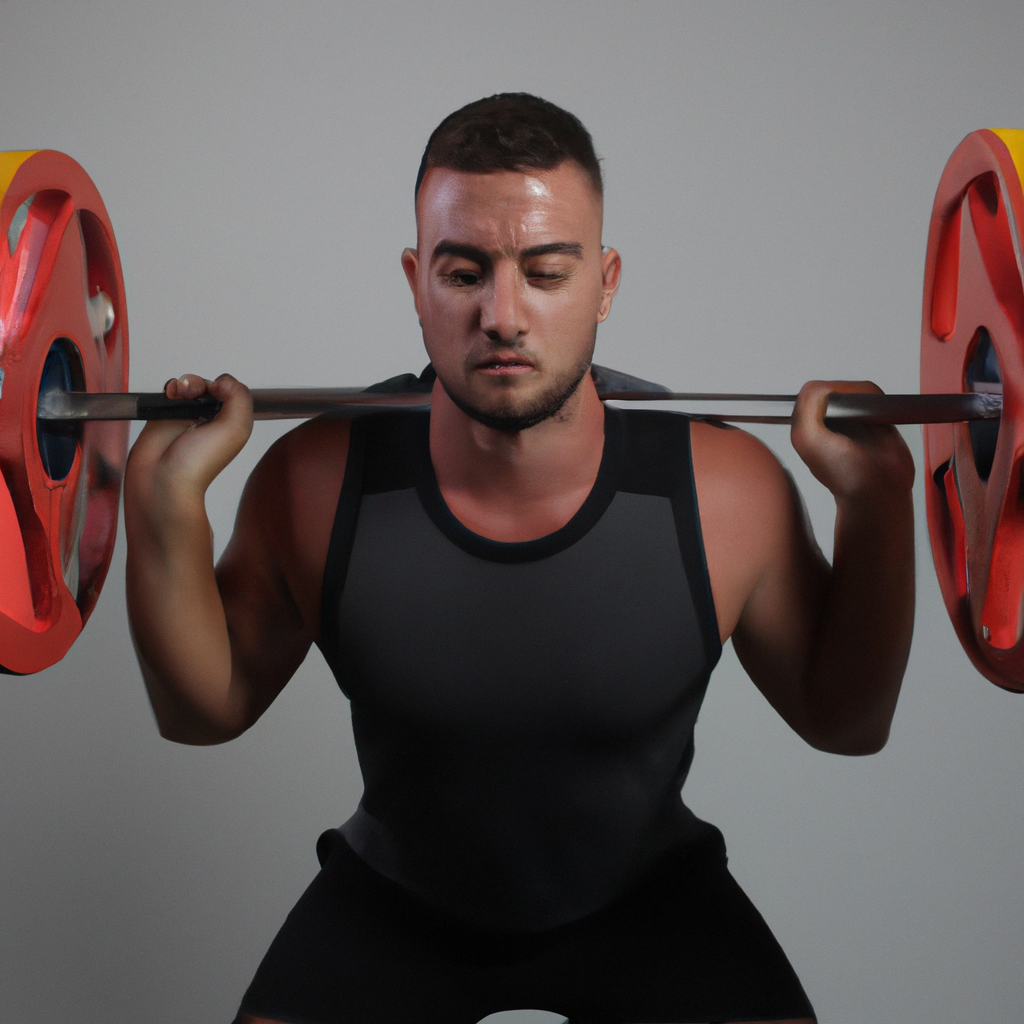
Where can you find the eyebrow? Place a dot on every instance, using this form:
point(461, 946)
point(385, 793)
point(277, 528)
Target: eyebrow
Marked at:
point(553, 248)
point(471, 252)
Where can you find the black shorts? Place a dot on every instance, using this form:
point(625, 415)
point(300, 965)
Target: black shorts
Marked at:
point(684, 945)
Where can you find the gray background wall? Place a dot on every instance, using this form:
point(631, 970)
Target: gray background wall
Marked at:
point(770, 172)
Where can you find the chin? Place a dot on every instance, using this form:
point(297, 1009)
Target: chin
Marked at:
point(511, 415)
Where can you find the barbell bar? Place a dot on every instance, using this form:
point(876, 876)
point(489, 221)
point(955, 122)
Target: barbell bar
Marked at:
point(64, 404)
point(298, 403)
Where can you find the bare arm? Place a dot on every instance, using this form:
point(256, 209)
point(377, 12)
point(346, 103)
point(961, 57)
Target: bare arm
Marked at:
point(827, 645)
point(216, 646)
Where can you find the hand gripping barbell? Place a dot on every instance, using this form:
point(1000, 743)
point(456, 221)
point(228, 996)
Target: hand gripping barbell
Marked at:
point(64, 401)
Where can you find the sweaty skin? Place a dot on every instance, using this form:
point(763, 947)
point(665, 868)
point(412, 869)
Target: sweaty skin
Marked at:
point(510, 282)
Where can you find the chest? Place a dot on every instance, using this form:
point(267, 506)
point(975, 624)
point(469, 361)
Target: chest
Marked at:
point(598, 637)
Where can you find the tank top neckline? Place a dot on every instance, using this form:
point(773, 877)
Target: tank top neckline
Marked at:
point(585, 518)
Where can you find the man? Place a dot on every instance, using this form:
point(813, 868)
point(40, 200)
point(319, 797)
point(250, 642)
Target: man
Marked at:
point(523, 597)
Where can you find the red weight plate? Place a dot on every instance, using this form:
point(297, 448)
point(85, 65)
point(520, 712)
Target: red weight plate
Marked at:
point(972, 337)
point(63, 322)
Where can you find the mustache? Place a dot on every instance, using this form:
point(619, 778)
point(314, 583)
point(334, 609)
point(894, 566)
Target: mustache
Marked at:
point(503, 352)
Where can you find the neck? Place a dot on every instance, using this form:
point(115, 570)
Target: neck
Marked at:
point(522, 485)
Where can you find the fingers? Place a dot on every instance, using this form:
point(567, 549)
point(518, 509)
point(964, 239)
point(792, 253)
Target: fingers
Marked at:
point(191, 453)
point(848, 457)
point(186, 386)
point(812, 406)
point(234, 396)
point(813, 398)
point(193, 385)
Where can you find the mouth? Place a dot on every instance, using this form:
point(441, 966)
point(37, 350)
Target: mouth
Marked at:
point(504, 365)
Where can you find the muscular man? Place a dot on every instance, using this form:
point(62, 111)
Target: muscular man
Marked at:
point(523, 594)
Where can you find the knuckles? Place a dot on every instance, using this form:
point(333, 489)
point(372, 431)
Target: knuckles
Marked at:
point(193, 385)
point(855, 457)
point(188, 451)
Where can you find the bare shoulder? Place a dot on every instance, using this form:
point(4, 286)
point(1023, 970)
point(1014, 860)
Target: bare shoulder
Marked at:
point(751, 515)
point(286, 514)
point(737, 474)
point(309, 461)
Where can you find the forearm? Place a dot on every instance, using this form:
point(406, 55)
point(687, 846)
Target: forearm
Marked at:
point(859, 654)
point(177, 617)
point(175, 608)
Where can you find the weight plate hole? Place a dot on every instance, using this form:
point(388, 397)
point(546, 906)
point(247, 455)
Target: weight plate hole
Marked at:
point(59, 440)
point(18, 222)
point(983, 368)
point(102, 293)
point(986, 188)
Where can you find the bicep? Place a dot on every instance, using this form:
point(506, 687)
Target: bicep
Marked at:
point(268, 637)
point(767, 575)
point(776, 632)
point(271, 572)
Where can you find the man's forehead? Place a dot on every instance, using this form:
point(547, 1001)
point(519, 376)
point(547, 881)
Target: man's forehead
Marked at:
point(566, 183)
point(451, 185)
point(563, 193)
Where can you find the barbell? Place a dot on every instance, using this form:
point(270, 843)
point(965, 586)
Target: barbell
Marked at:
point(64, 403)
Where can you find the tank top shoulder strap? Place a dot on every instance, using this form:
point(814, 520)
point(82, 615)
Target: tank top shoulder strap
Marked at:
point(659, 461)
point(382, 456)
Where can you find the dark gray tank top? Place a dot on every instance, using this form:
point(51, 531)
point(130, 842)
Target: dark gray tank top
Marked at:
point(523, 712)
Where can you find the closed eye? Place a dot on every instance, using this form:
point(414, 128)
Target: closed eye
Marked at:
point(547, 277)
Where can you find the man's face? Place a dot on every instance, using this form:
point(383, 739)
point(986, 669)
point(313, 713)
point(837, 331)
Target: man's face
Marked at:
point(510, 284)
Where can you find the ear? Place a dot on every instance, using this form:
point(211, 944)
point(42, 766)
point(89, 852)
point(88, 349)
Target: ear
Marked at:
point(411, 265)
point(611, 269)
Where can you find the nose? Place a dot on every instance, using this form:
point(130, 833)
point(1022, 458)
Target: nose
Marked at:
point(503, 313)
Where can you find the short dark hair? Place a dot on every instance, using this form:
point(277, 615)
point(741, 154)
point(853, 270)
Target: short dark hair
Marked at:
point(511, 131)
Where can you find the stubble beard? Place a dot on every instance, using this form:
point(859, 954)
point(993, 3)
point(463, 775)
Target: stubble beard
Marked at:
point(511, 417)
